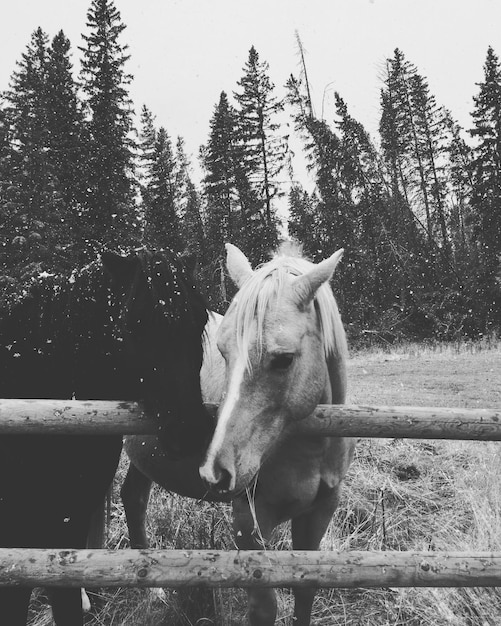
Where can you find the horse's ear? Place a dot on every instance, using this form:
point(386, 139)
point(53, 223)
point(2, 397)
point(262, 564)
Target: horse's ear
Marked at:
point(237, 264)
point(120, 268)
point(306, 285)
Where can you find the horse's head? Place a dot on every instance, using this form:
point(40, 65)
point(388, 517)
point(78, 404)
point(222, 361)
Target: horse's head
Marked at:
point(277, 337)
point(162, 319)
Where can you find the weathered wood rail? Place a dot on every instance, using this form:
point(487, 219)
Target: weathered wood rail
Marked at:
point(178, 568)
point(103, 417)
point(215, 568)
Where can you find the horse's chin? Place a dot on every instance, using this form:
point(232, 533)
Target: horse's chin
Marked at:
point(247, 484)
point(243, 486)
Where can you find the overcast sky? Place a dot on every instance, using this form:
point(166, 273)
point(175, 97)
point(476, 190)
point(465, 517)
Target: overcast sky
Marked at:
point(185, 52)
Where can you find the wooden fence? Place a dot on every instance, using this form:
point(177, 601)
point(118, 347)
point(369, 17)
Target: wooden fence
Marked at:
point(212, 568)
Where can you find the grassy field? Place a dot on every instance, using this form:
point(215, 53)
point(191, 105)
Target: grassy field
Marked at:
point(399, 495)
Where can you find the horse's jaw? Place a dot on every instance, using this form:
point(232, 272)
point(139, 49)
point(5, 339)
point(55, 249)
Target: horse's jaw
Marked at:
point(242, 441)
point(183, 430)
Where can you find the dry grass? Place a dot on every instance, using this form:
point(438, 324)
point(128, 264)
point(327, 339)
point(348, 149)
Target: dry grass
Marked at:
point(399, 495)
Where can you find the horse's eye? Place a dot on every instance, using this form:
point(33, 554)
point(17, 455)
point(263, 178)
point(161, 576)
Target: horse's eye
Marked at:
point(281, 361)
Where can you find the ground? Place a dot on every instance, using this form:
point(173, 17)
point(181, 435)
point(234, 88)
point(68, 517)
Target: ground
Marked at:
point(399, 495)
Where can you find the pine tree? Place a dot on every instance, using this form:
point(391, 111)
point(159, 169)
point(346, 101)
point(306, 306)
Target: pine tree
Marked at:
point(367, 193)
point(226, 208)
point(486, 201)
point(188, 204)
point(7, 227)
point(432, 132)
point(487, 161)
point(192, 231)
point(415, 137)
point(110, 215)
point(461, 189)
point(64, 119)
point(428, 161)
point(302, 224)
point(265, 149)
point(147, 138)
point(33, 204)
point(324, 152)
point(401, 144)
point(161, 220)
point(67, 140)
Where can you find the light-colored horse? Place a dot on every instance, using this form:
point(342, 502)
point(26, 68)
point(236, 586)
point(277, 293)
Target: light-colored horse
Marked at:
point(285, 352)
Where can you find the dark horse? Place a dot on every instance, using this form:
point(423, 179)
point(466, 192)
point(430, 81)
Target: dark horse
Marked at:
point(122, 328)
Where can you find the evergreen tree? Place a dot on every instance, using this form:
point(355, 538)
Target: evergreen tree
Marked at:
point(182, 178)
point(226, 207)
point(64, 120)
point(192, 231)
point(417, 138)
point(171, 204)
point(302, 224)
point(7, 227)
point(461, 191)
point(161, 221)
point(324, 152)
point(33, 207)
point(67, 141)
point(147, 139)
point(487, 161)
point(486, 201)
point(5, 150)
point(225, 202)
point(432, 133)
point(110, 215)
point(406, 139)
point(188, 203)
point(265, 149)
point(370, 252)
point(429, 161)
point(394, 131)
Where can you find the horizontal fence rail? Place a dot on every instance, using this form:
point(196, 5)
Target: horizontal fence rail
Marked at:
point(213, 568)
point(78, 417)
point(232, 568)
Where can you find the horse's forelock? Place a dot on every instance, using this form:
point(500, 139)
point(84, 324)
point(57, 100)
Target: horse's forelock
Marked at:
point(267, 283)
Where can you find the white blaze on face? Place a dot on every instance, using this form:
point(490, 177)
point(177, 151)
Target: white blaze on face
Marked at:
point(229, 403)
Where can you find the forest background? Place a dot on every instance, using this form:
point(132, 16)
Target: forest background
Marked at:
point(417, 208)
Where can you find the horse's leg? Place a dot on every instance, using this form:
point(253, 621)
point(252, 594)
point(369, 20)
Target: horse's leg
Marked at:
point(66, 606)
point(135, 494)
point(95, 539)
point(262, 602)
point(14, 603)
point(307, 532)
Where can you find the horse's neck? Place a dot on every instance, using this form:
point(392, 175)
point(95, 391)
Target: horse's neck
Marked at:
point(98, 367)
point(213, 366)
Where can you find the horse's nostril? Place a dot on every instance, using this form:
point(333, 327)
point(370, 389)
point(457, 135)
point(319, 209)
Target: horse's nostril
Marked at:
point(216, 476)
point(218, 481)
point(224, 480)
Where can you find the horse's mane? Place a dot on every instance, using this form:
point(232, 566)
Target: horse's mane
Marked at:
point(74, 320)
point(267, 283)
